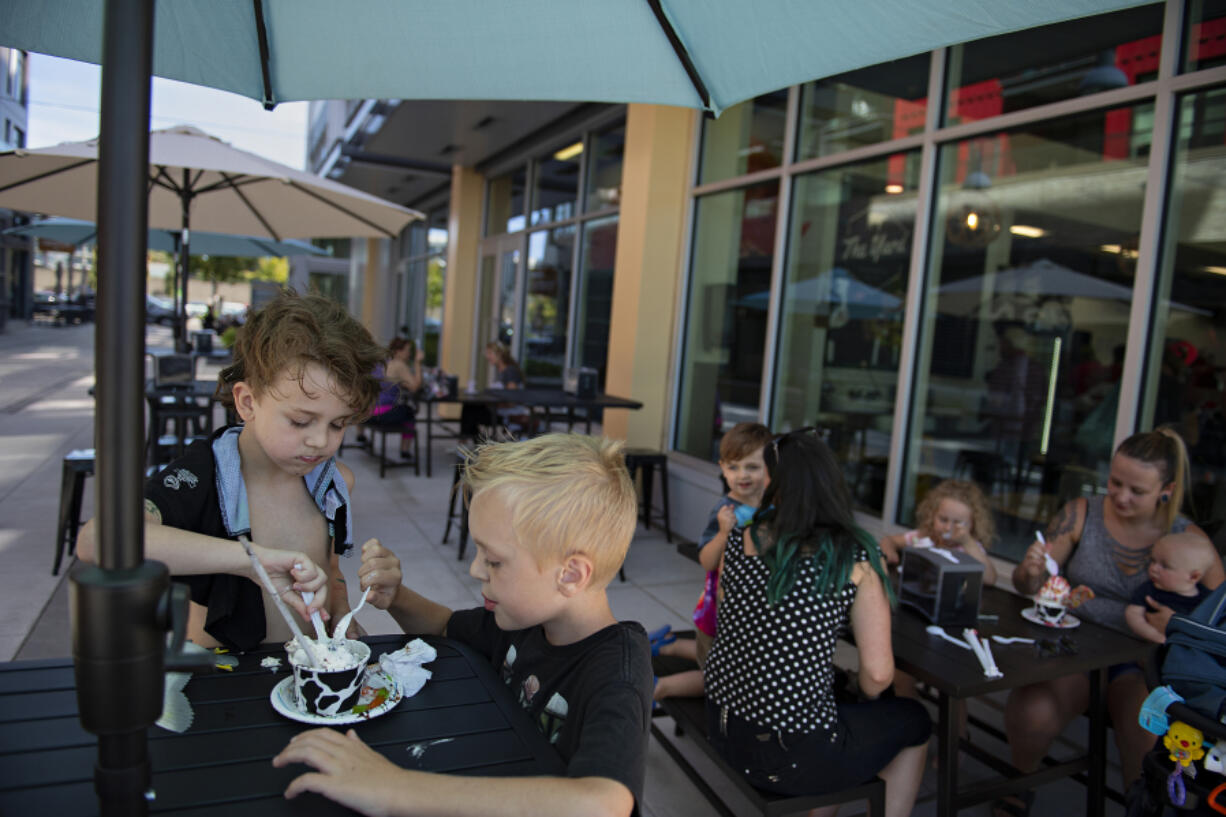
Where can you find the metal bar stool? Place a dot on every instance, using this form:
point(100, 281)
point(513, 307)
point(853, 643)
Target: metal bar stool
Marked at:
point(648, 461)
point(451, 511)
point(77, 466)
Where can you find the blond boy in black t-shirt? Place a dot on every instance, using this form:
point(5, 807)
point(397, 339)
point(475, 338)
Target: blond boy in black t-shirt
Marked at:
point(551, 518)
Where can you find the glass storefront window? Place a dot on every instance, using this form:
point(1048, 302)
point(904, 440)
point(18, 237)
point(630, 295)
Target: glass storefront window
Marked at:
point(725, 335)
point(1038, 66)
point(432, 325)
point(436, 236)
point(547, 304)
point(329, 285)
point(555, 184)
point(1205, 39)
point(746, 138)
point(505, 203)
point(604, 168)
point(1026, 316)
point(864, 107)
point(595, 296)
point(1186, 370)
point(840, 328)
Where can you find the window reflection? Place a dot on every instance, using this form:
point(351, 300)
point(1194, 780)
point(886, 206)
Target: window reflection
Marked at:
point(546, 303)
point(596, 296)
point(734, 239)
point(604, 169)
point(1042, 65)
point(1185, 371)
point(842, 312)
point(745, 139)
point(555, 184)
point(1205, 42)
point(864, 107)
point(1027, 313)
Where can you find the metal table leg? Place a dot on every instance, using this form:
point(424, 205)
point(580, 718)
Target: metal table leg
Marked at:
point(1097, 773)
point(947, 761)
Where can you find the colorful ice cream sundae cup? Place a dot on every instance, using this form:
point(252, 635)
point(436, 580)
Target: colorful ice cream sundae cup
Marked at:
point(334, 686)
point(1052, 600)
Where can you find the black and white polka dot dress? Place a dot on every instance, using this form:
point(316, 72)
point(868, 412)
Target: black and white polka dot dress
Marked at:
point(774, 666)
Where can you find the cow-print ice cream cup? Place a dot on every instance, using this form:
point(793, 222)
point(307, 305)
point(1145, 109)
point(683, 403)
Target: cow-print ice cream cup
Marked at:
point(332, 688)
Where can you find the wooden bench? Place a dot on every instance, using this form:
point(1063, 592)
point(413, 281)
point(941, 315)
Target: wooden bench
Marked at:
point(689, 715)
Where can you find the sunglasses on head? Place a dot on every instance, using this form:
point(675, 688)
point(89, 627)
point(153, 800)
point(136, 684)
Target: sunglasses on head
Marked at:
point(820, 433)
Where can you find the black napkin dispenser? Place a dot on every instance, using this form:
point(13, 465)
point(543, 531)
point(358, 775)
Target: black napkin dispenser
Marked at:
point(943, 585)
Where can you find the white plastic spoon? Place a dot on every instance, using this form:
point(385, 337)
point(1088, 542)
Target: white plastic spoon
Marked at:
point(342, 626)
point(1052, 567)
point(935, 630)
point(1003, 639)
point(321, 632)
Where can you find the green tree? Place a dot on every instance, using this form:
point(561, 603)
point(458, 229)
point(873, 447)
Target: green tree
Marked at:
point(272, 269)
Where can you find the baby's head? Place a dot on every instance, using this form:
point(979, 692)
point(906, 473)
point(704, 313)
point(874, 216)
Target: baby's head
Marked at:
point(742, 462)
point(1179, 560)
point(953, 507)
point(567, 495)
point(294, 333)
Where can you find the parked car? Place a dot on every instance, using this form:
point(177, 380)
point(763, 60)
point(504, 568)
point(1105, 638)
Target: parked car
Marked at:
point(62, 309)
point(159, 310)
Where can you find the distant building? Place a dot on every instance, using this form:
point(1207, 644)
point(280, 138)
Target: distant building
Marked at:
point(16, 276)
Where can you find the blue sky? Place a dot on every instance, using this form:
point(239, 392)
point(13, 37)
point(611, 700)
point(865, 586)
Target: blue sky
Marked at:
point(64, 108)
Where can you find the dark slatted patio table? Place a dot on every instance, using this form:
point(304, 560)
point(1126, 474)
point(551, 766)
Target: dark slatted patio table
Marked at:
point(533, 399)
point(955, 675)
point(222, 764)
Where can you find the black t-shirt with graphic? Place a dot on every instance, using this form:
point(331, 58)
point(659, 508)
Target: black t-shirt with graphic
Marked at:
point(591, 699)
point(185, 493)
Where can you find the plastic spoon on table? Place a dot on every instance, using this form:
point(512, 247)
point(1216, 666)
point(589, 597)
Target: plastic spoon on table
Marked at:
point(936, 630)
point(1009, 639)
point(342, 626)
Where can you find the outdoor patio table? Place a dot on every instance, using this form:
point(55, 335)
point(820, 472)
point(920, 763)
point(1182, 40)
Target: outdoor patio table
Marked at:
point(955, 674)
point(533, 399)
point(464, 721)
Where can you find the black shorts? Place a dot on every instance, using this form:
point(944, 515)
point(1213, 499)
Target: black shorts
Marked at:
point(869, 735)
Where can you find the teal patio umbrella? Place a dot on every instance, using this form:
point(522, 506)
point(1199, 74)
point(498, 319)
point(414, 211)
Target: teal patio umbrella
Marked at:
point(694, 53)
point(79, 233)
point(83, 233)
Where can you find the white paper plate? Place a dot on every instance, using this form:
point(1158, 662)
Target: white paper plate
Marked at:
point(282, 698)
point(1067, 623)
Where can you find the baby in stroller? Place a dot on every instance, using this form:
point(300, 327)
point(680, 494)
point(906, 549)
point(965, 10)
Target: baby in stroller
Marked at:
point(1185, 773)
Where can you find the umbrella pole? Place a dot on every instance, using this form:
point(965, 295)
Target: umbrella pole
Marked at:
point(116, 641)
point(185, 198)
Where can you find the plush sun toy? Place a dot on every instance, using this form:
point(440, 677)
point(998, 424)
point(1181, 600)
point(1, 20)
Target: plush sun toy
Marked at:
point(1184, 743)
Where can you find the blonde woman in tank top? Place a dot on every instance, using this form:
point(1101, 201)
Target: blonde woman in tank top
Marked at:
point(1102, 542)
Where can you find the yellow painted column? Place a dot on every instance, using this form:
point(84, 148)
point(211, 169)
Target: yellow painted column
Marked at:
point(647, 274)
point(375, 286)
point(460, 287)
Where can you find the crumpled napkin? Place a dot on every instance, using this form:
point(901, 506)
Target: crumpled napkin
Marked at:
point(177, 714)
point(405, 665)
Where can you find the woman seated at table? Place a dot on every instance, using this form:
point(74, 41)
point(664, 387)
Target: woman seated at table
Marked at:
point(507, 375)
point(1104, 543)
point(790, 582)
point(400, 377)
